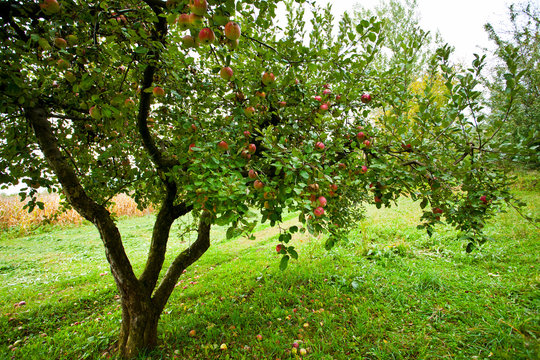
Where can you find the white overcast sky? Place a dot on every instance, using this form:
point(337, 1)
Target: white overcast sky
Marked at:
point(460, 22)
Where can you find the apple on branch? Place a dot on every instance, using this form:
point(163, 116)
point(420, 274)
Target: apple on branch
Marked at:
point(365, 98)
point(198, 7)
point(249, 111)
point(158, 91)
point(195, 21)
point(189, 41)
point(60, 43)
point(268, 78)
point(222, 145)
point(319, 211)
point(226, 73)
point(232, 30)
point(258, 185)
point(50, 7)
point(319, 146)
point(206, 36)
point(183, 21)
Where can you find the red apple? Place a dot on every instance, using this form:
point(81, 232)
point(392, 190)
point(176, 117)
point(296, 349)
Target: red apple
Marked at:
point(193, 127)
point(406, 146)
point(360, 135)
point(483, 199)
point(365, 98)
point(252, 174)
point(323, 107)
point(318, 98)
point(252, 148)
point(245, 154)
point(437, 211)
point(226, 73)
point(198, 7)
point(338, 97)
point(129, 103)
point(327, 92)
point(333, 187)
point(342, 166)
point(319, 146)
point(50, 7)
point(326, 86)
point(258, 185)
point(364, 169)
point(222, 145)
point(158, 91)
point(322, 201)
point(279, 247)
point(249, 111)
point(260, 94)
point(183, 21)
point(268, 78)
point(247, 134)
point(232, 31)
point(377, 199)
point(367, 143)
point(206, 36)
point(282, 104)
point(319, 211)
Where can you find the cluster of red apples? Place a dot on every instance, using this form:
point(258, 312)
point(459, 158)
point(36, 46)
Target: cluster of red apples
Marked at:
point(200, 34)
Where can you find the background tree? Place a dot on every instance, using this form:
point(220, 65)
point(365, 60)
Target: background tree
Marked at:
point(518, 52)
point(211, 109)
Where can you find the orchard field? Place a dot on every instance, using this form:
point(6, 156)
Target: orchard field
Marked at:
point(392, 292)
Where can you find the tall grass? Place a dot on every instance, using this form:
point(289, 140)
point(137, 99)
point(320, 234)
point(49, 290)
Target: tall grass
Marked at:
point(13, 213)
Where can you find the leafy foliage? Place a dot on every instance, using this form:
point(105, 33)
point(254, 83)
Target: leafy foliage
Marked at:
point(517, 50)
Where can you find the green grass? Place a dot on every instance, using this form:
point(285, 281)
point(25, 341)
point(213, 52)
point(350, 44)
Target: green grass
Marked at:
point(390, 293)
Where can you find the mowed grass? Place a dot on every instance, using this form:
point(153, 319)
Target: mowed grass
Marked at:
point(392, 292)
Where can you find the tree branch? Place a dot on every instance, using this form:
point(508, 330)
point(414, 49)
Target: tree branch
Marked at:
point(77, 197)
point(182, 261)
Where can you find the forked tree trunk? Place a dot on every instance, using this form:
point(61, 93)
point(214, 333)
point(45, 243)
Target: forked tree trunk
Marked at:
point(142, 301)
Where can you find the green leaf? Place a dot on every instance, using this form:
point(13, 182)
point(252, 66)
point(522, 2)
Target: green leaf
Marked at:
point(293, 253)
point(284, 262)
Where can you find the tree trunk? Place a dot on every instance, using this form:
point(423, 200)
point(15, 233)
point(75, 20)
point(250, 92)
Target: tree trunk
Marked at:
point(138, 333)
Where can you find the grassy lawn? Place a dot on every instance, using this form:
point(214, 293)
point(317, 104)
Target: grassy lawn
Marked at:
point(390, 293)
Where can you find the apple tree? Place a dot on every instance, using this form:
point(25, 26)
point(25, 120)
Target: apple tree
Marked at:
point(218, 108)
